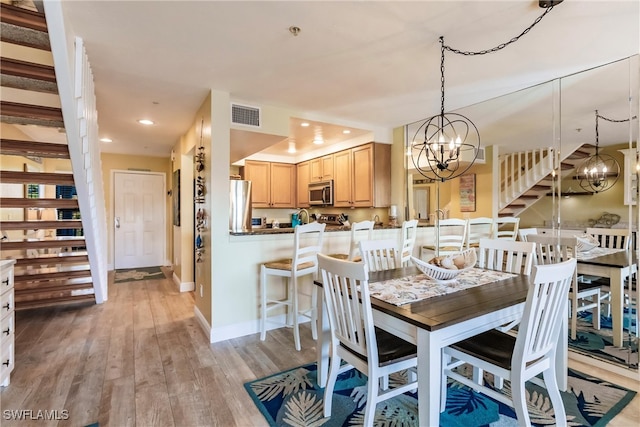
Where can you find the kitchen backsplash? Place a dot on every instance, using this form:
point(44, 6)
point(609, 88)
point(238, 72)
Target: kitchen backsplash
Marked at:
point(355, 215)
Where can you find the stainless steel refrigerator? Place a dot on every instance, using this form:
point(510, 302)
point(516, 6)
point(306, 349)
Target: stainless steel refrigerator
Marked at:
point(240, 206)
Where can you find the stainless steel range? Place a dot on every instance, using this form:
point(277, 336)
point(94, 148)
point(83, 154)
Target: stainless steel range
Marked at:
point(332, 219)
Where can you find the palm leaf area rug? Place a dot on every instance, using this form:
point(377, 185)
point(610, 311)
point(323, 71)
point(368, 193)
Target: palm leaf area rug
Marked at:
point(141, 273)
point(293, 398)
point(599, 343)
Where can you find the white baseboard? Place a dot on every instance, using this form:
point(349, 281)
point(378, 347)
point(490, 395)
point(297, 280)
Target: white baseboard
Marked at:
point(206, 328)
point(183, 286)
point(238, 330)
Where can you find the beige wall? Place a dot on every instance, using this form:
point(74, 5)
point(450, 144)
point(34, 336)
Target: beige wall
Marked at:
point(114, 162)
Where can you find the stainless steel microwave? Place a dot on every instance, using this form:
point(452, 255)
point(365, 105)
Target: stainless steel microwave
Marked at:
point(321, 193)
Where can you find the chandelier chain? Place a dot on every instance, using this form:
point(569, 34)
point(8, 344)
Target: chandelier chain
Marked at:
point(613, 120)
point(501, 45)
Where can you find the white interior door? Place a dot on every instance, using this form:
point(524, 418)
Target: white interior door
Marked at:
point(139, 219)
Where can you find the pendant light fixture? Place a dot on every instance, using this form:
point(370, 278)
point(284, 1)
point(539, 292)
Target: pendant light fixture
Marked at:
point(446, 139)
point(451, 141)
point(599, 172)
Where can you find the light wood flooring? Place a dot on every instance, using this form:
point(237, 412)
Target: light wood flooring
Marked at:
point(141, 359)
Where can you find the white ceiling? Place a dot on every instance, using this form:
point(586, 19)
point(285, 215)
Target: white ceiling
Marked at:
point(365, 64)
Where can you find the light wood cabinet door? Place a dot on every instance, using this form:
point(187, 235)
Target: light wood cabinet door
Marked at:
point(362, 176)
point(259, 173)
point(327, 167)
point(362, 181)
point(303, 177)
point(283, 182)
point(342, 179)
point(315, 168)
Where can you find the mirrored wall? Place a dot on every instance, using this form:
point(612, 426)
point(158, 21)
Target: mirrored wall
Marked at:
point(555, 124)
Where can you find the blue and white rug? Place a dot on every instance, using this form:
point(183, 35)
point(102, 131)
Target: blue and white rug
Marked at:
point(599, 343)
point(293, 398)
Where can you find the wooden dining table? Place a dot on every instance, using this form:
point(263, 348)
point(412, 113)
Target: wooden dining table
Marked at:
point(616, 266)
point(439, 321)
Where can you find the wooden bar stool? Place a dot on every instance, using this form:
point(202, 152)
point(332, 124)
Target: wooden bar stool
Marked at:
point(307, 244)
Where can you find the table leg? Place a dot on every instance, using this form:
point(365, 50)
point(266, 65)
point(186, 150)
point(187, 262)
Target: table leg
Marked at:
point(617, 291)
point(429, 378)
point(322, 345)
point(562, 354)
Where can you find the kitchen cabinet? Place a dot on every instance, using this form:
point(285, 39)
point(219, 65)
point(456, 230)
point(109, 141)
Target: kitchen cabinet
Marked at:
point(321, 168)
point(303, 176)
point(362, 176)
point(272, 184)
point(7, 322)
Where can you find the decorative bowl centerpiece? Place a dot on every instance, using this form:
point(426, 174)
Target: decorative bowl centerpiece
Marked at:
point(586, 242)
point(445, 268)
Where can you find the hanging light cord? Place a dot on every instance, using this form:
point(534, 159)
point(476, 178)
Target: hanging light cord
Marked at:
point(501, 46)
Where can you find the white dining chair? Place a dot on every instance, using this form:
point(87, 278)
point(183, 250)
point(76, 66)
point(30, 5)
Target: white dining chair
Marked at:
point(505, 227)
point(524, 232)
point(371, 350)
point(451, 239)
point(479, 228)
point(380, 254)
point(583, 296)
point(307, 243)
point(408, 236)
point(611, 238)
point(506, 255)
point(359, 230)
point(521, 358)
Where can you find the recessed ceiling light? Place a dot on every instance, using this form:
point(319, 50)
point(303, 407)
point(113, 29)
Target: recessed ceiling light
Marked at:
point(292, 147)
point(304, 124)
point(146, 122)
point(346, 131)
point(318, 140)
point(106, 139)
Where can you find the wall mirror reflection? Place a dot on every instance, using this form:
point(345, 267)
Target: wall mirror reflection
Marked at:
point(534, 142)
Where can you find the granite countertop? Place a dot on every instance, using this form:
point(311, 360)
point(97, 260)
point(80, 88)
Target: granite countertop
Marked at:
point(287, 229)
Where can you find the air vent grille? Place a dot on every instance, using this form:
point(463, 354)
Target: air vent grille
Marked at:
point(480, 156)
point(244, 115)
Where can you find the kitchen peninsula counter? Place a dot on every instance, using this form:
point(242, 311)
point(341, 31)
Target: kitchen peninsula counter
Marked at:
point(329, 228)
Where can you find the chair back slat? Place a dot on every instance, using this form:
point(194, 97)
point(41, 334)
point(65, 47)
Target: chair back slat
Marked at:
point(409, 233)
point(506, 227)
point(544, 312)
point(612, 238)
point(346, 292)
point(307, 243)
point(359, 231)
point(479, 228)
point(453, 233)
point(507, 255)
point(380, 255)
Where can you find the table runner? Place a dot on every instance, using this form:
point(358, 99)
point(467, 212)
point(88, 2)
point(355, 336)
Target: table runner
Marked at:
point(418, 287)
point(596, 252)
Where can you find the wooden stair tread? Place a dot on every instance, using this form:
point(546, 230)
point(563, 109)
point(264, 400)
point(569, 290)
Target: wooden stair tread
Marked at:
point(15, 147)
point(61, 258)
point(54, 242)
point(22, 17)
point(50, 274)
point(72, 300)
point(19, 177)
point(29, 76)
point(27, 114)
point(72, 284)
point(11, 202)
point(41, 224)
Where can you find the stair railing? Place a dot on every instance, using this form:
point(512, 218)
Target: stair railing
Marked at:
point(521, 171)
point(77, 99)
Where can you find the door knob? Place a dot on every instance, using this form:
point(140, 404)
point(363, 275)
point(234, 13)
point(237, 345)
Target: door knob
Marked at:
point(117, 222)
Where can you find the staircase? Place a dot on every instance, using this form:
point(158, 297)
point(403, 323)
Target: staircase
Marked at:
point(527, 176)
point(44, 208)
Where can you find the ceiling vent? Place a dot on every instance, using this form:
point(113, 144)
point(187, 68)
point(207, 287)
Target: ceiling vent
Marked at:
point(245, 115)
